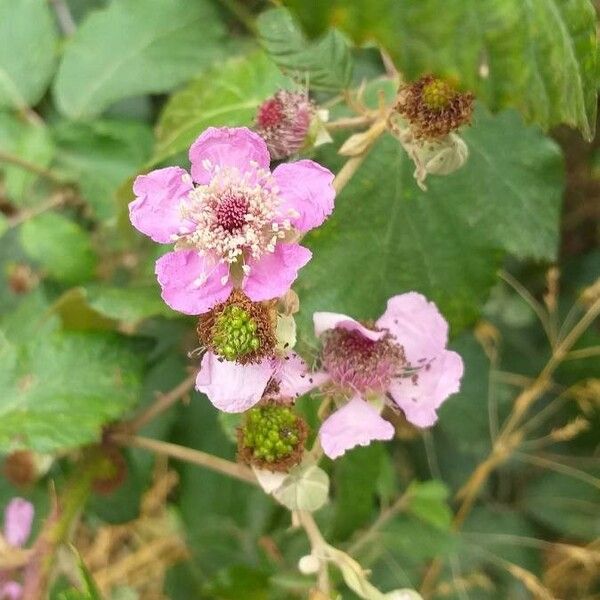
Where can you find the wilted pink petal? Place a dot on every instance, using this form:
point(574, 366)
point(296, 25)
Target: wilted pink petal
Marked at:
point(294, 376)
point(156, 210)
point(356, 423)
point(421, 396)
point(232, 387)
point(236, 147)
point(307, 193)
point(417, 326)
point(273, 273)
point(324, 321)
point(18, 517)
point(192, 284)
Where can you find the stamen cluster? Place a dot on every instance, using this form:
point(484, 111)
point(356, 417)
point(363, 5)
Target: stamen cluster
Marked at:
point(272, 437)
point(433, 107)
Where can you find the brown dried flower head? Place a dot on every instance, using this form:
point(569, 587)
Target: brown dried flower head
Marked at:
point(434, 107)
point(239, 330)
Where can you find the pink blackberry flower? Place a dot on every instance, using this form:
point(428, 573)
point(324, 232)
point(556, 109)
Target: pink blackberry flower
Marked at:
point(284, 121)
point(402, 358)
point(233, 387)
point(18, 517)
point(232, 221)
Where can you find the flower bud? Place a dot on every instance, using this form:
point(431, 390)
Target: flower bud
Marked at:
point(112, 470)
point(272, 437)
point(284, 122)
point(239, 330)
point(23, 468)
point(309, 564)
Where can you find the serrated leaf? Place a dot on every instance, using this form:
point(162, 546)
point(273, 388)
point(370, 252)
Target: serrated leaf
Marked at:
point(305, 488)
point(99, 156)
point(135, 47)
point(539, 56)
point(225, 95)
point(27, 52)
point(447, 242)
point(324, 64)
point(58, 390)
point(60, 246)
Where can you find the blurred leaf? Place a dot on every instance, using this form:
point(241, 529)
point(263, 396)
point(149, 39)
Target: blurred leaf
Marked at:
point(57, 391)
point(239, 581)
point(225, 95)
point(445, 243)
point(356, 478)
point(99, 156)
point(229, 423)
point(128, 304)
point(76, 314)
point(322, 65)
point(429, 502)
point(60, 246)
point(565, 504)
point(538, 56)
point(3, 224)
point(27, 52)
point(135, 47)
point(30, 142)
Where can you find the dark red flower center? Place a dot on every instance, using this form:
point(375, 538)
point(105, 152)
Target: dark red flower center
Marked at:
point(231, 212)
point(270, 113)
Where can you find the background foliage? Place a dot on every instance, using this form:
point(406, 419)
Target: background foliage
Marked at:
point(93, 92)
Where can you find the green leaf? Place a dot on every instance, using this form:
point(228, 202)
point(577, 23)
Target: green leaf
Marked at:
point(539, 56)
point(429, 502)
point(60, 246)
point(27, 52)
point(225, 95)
point(99, 156)
point(56, 391)
point(135, 47)
point(30, 142)
point(446, 243)
point(323, 65)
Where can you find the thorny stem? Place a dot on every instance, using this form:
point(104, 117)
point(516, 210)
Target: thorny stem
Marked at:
point(197, 457)
point(510, 437)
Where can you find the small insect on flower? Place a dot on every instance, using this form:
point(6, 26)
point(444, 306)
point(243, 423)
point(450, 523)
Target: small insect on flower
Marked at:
point(400, 360)
point(233, 222)
point(434, 107)
point(272, 437)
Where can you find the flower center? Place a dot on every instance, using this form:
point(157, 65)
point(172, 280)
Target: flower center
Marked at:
point(270, 113)
point(235, 333)
point(437, 94)
point(231, 212)
point(359, 363)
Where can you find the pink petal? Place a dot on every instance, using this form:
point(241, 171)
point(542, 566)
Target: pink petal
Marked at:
point(18, 517)
point(324, 321)
point(420, 399)
point(232, 387)
point(356, 423)
point(273, 273)
point(307, 193)
point(11, 591)
point(295, 378)
point(191, 283)
point(155, 212)
point(227, 147)
point(417, 325)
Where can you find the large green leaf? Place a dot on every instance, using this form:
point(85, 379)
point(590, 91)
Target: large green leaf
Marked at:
point(60, 246)
point(225, 95)
point(386, 236)
point(57, 391)
point(27, 52)
point(537, 55)
point(135, 47)
point(324, 64)
point(99, 156)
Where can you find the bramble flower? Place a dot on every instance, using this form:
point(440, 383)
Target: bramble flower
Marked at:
point(234, 387)
point(232, 221)
point(402, 359)
point(283, 121)
point(18, 517)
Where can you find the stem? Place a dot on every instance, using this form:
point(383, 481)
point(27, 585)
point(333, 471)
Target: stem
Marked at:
point(347, 171)
point(317, 542)
point(64, 17)
point(53, 202)
point(162, 403)
point(239, 10)
point(197, 457)
point(349, 122)
point(17, 161)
